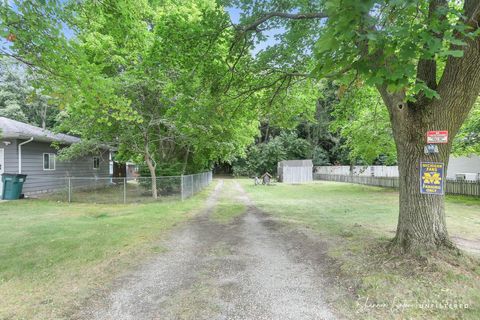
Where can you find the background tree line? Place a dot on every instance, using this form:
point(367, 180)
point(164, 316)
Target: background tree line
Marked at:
point(21, 100)
point(345, 129)
point(161, 82)
point(349, 127)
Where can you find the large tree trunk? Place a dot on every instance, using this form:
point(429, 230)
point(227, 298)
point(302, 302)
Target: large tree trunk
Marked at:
point(421, 222)
point(185, 160)
point(43, 115)
point(153, 174)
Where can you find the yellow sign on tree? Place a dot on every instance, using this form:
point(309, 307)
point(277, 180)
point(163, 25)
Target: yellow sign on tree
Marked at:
point(432, 178)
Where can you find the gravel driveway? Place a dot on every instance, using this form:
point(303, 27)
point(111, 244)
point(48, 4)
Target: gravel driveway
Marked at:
point(247, 269)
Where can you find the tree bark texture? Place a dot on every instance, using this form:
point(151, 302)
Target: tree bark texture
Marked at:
point(153, 174)
point(421, 222)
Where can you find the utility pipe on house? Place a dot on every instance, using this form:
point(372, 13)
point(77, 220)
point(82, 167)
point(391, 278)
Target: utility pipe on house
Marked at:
point(20, 154)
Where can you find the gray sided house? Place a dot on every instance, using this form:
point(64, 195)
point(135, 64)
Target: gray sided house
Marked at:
point(27, 149)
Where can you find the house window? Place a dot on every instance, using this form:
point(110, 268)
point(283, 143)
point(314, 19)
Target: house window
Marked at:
point(49, 161)
point(96, 162)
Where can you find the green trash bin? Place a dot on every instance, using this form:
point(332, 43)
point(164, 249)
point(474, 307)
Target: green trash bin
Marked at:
point(12, 185)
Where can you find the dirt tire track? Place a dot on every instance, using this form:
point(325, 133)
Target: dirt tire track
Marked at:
point(248, 269)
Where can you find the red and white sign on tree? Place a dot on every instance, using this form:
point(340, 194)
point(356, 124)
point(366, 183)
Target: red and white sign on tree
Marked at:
point(437, 137)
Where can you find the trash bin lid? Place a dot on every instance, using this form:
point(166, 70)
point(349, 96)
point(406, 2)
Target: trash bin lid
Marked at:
point(12, 176)
point(9, 175)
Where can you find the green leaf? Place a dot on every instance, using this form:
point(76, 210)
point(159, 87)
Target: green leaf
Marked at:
point(453, 53)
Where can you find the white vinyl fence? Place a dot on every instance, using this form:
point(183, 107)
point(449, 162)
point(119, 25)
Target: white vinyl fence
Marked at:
point(468, 188)
point(456, 165)
point(365, 171)
point(115, 190)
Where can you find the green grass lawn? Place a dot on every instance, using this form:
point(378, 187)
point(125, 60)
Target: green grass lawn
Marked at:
point(53, 254)
point(357, 222)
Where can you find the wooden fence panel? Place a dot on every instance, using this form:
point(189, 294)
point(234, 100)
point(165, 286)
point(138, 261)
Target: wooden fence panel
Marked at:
point(467, 188)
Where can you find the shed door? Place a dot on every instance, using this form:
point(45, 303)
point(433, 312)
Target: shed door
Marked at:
point(2, 170)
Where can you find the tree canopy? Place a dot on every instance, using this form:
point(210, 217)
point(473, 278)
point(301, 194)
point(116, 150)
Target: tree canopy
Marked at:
point(422, 57)
point(164, 72)
point(20, 100)
point(468, 139)
point(177, 82)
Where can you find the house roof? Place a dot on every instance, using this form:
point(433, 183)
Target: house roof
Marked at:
point(295, 163)
point(18, 130)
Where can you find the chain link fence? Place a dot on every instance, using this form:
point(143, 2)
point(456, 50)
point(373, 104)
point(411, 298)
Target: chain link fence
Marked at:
point(115, 190)
point(193, 183)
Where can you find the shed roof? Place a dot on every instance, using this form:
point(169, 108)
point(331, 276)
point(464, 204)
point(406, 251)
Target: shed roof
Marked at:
point(296, 163)
point(18, 130)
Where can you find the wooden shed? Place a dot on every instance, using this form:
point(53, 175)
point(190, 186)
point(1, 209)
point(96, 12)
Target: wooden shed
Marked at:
point(295, 171)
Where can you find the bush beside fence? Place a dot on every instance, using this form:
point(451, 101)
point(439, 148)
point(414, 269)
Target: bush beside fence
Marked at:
point(115, 190)
point(468, 188)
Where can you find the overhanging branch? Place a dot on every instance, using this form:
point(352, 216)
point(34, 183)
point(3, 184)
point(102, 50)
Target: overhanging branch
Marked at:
point(427, 67)
point(292, 16)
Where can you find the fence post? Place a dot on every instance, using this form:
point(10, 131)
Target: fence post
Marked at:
point(69, 189)
point(125, 190)
point(191, 176)
point(181, 187)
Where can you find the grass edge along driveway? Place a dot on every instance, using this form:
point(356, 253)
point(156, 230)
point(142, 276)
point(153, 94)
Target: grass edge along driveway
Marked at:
point(54, 255)
point(356, 222)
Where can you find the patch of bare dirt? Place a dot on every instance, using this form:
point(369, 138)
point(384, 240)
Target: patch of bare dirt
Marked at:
point(472, 246)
